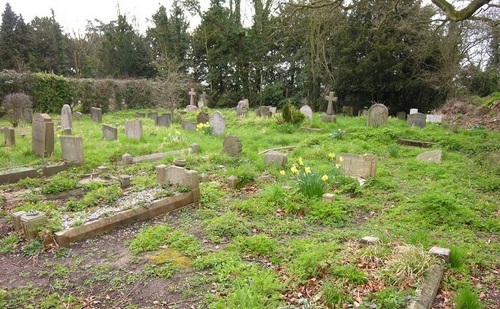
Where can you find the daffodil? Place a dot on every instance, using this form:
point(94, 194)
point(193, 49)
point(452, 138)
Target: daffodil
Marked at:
point(177, 132)
point(341, 159)
point(307, 170)
point(282, 172)
point(331, 155)
point(337, 166)
point(301, 162)
point(324, 178)
point(294, 170)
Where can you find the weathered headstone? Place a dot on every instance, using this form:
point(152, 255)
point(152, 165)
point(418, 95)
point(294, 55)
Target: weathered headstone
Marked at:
point(42, 135)
point(242, 108)
point(203, 100)
point(202, 117)
point(413, 110)
point(164, 120)
point(153, 115)
point(273, 110)
point(401, 115)
point(77, 115)
point(276, 157)
point(434, 156)
point(133, 129)
point(192, 93)
point(10, 137)
point(416, 120)
point(348, 110)
point(265, 112)
point(217, 123)
point(190, 126)
point(232, 146)
point(434, 118)
point(359, 166)
point(377, 115)
point(72, 149)
point(191, 108)
point(27, 114)
point(66, 117)
point(307, 111)
point(96, 114)
point(109, 133)
point(363, 112)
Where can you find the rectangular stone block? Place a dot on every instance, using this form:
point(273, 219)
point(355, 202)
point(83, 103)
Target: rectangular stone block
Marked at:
point(275, 157)
point(10, 137)
point(442, 253)
point(42, 135)
point(161, 173)
point(360, 166)
point(31, 224)
point(16, 220)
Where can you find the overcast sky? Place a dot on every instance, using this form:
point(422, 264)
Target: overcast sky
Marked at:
point(73, 15)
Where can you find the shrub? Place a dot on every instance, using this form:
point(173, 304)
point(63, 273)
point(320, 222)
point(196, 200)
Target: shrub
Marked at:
point(292, 115)
point(14, 105)
point(52, 92)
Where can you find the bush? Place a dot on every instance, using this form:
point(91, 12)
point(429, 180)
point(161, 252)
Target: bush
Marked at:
point(292, 115)
point(14, 104)
point(52, 92)
point(272, 95)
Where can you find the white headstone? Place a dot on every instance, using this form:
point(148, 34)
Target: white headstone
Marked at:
point(307, 111)
point(413, 110)
point(66, 117)
point(434, 118)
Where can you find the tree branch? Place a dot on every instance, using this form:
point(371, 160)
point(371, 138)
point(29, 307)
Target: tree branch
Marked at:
point(454, 15)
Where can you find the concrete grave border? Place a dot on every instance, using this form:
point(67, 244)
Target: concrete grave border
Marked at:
point(14, 177)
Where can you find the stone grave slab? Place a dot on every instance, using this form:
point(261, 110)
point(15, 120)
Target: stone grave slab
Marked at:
point(191, 108)
point(77, 115)
point(109, 133)
point(413, 111)
point(359, 166)
point(401, 115)
point(415, 143)
point(276, 157)
point(377, 115)
point(140, 115)
point(434, 156)
point(96, 114)
point(72, 149)
point(217, 123)
point(265, 112)
point(133, 129)
point(153, 115)
point(232, 146)
point(42, 135)
point(416, 120)
point(434, 118)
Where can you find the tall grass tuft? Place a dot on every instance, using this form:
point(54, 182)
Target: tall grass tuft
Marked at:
point(467, 299)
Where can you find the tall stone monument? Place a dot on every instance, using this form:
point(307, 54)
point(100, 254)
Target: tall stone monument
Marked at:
point(42, 135)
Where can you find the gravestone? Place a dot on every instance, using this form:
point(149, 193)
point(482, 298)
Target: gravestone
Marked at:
point(133, 129)
point(401, 115)
point(109, 133)
point(348, 111)
point(265, 112)
point(140, 115)
point(190, 126)
point(363, 112)
point(192, 93)
point(434, 118)
point(359, 166)
point(72, 149)
point(77, 115)
point(66, 117)
point(232, 146)
point(242, 108)
point(416, 120)
point(191, 108)
point(307, 111)
point(203, 100)
point(413, 110)
point(42, 135)
point(27, 114)
point(377, 115)
point(276, 157)
point(329, 116)
point(434, 156)
point(96, 114)
point(273, 110)
point(217, 123)
point(202, 117)
point(10, 136)
point(153, 115)
point(164, 120)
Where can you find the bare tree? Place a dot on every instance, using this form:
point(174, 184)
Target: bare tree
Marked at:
point(169, 84)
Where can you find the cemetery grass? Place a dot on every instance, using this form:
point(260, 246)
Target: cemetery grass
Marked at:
point(264, 244)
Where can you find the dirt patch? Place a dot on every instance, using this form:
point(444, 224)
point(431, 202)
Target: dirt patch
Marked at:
point(469, 113)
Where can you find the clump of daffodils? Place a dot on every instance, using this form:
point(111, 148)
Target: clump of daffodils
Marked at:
point(310, 183)
point(203, 128)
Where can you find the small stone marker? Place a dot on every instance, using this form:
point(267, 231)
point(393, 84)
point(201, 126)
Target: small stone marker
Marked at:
point(401, 115)
point(96, 114)
point(204, 177)
point(109, 133)
point(192, 93)
point(27, 115)
point(133, 129)
point(124, 181)
point(328, 197)
point(369, 240)
point(413, 111)
point(202, 117)
point(265, 112)
point(442, 253)
point(203, 100)
point(359, 166)
point(10, 136)
point(232, 146)
point(30, 222)
point(242, 108)
point(307, 111)
point(164, 120)
point(434, 118)
point(66, 117)
point(42, 135)
point(276, 157)
point(232, 182)
point(217, 123)
point(190, 126)
point(434, 156)
point(72, 149)
point(16, 220)
point(127, 159)
point(77, 115)
point(195, 148)
point(377, 115)
point(191, 108)
point(416, 120)
point(176, 175)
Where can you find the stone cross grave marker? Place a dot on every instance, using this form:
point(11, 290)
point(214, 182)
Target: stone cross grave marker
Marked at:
point(192, 93)
point(10, 136)
point(331, 98)
point(133, 128)
point(307, 111)
point(42, 135)
point(217, 123)
point(232, 146)
point(72, 149)
point(109, 133)
point(416, 120)
point(377, 115)
point(66, 118)
point(96, 114)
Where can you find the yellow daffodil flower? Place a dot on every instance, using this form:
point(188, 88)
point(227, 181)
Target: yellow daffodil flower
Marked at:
point(331, 155)
point(324, 178)
point(301, 162)
point(294, 170)
point(341, 159)
point(337, 166)
point(307, 170)
point(282, 172)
